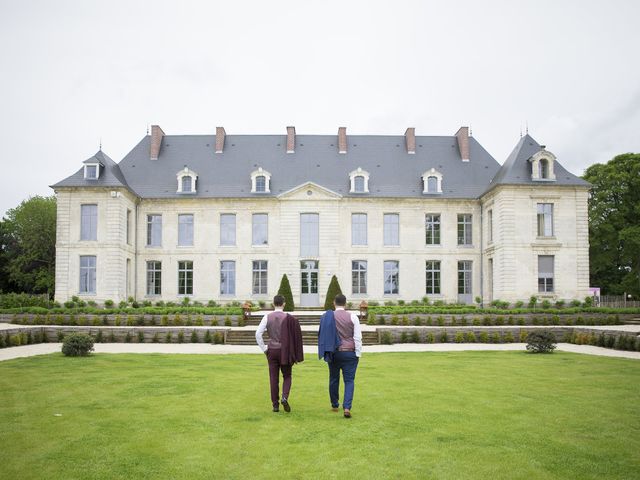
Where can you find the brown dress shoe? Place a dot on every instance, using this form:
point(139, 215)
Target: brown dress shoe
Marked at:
point(347, 413)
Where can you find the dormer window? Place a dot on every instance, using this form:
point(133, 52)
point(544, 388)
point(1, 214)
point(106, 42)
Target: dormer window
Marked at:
point(432, 181)
point(92, 171)
point(542, 166)
point(260, 181)
point(186, 181)
point(359, 180)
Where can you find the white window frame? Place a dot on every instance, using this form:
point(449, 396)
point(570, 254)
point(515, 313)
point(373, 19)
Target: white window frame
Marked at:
point(359, 172)
point(544, 219)
point(466, 240)
point(86, 171)
point(433, 267)
point(224, 242)
point(151, 226)
point(536, 167)
point(254, 227)
point(435, 220)
point(183, 283)
point(260, 172)
point(90, 271)
point(384, 279)
point(547, 285)
point(391, 230)
point(359, 236)
point(359, 277)
point(425, 181)
point(181, 240)
point(154, 276)
point(228, 285)
point(187, 173)
point(259, 277)
point(92, 226)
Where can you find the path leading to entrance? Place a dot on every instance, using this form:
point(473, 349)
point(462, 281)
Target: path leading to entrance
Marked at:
point(309, 350)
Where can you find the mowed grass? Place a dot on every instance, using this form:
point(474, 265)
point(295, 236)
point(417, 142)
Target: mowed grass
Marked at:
point(485, 415)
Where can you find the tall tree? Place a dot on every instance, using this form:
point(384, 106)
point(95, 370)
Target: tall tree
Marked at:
point(333, 290)
point(30, 249)
point(285, 291)
point(614, 225)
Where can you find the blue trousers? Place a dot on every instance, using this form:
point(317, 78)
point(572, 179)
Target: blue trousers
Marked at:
point(348, 363)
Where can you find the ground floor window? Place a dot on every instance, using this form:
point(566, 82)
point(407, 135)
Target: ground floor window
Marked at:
point(88, 274)
point(185, 278)
point(359, 277)
point(391, 277)
point(227, 277)
point(154, 278)
point(464, 277)
point(433, 277)
point(545, 273)
point(259, 277)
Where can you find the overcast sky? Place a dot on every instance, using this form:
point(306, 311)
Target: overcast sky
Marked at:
point(73, 73)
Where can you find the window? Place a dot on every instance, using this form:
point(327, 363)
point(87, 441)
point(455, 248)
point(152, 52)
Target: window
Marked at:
point(154, 230)
point(391, 277)
point(260, 235)
point(432, 184)
point(358, 184)
point(185, 230)
point(391, 234)
point(227, 278)
point(464, 277)
point(186, 184)
point(227, 229)
point(128, 234)
point(545, 273)
point(358, 229)
point(259, 277)
point(490, 225)
point(545, 219)
point(358, 277)
point(186, 181)
point(87, 274)
point(88, 222)
point(260, 180)
point(432, 181)
point(261, 183)
point(154, 278)
point(432, 228)
point(464, 229)
point(309, 234)
point(359, 181)
point(185, 278)
point(544, 168)
point(433, 277)
point(91, 172)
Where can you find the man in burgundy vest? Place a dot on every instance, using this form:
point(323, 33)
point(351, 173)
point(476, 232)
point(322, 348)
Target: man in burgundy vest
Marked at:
point(272, 323)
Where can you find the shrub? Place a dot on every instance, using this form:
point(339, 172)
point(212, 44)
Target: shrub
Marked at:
point(405, 320)
point(415, 337)
point(127, 337)
point(227, 321)
point(371, 318)
point(440, 320)
point(443, 337)
point(207, 337)
point(386, 338)
point(112, 337)
point(533, 300)
point(523, 336)
point(588, 301)
point(180, 336)
point(508, 338)
point(417, 321)
point(470, 337)
point(168, 337)
point(99, 337)
point(285, 291)
point(484, 337)
point(404, 338)
point(560, 304)
point(77, 345)
point(459, 337)
point(2, 344)
point(218, 338)
point(519, 304)
point(495, 338)
point(546, 304)
point(541, 341)
point(575, 303)
point(165, 320)
point(212, 303)
point(140, 336)
point(155, 338)
point(242, 321)
point(333, 290)
point(60, 336)
point(430, 338)
point(194, 337)
point(186, 301)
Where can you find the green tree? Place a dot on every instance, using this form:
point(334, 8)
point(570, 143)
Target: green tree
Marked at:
point(6, 248)
point(614, 224)
point(30, 249)
point(285, 291)
point(333, 290)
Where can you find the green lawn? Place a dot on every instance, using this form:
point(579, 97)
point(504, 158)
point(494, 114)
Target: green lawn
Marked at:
point(485, 415)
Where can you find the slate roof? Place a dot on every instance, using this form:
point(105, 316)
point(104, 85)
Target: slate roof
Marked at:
point(393, 172)
point(516, 170)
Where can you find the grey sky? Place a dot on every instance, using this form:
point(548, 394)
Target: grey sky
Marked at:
point(75, 72)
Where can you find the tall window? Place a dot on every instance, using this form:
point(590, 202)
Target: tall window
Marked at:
point(87, 274)
point(490, 225)
point(391, 277)
point(185, 230)
point(464, 277)
point(154, 278)
point(358, 229)
point(545, 273)
point(185, 278)
point(186, 184)
point(358, 277)
point(261, 183)
point(154, 230)
point(432, 227)
point(128, 227)
point(545, 219)
point(309, 234)
point(259, 277)
point(464, 229)
point(227, 277)
point(433, 277)
point(260, 229)
point(227, 229)
point(544, 168)
point(391, 229)
point(432, 184)
point(358, 184)
point(88, 222)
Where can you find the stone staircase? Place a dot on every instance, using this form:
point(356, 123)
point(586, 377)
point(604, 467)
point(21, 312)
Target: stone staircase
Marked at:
point(632, 321)
point(247, 336)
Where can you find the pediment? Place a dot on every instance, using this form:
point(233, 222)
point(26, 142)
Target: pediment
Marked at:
point(309, 191)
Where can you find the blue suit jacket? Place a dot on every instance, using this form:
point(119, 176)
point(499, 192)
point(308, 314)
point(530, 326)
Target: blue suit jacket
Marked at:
point(328, 339)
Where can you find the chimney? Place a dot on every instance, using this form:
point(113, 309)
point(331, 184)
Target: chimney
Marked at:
point(220, 134)
point(410, 137)
point(463, 143)
point(342, 140)
point(156, 141)
point(291, 139)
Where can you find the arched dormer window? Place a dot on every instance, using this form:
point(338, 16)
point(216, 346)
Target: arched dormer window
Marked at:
point(542, 166)
point(432, 181)
point(186, 181)
point(359, 180)
point(260, 181)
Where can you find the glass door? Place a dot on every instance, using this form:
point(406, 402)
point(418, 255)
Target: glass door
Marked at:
point(309, 284)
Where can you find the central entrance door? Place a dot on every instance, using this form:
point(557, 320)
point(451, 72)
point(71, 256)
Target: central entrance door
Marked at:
point(309, 283)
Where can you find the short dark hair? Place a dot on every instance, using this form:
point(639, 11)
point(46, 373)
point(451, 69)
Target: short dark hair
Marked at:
point(340, 300)
point(278, 301)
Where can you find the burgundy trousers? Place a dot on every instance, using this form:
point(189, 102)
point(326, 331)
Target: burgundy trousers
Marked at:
point(275, 367)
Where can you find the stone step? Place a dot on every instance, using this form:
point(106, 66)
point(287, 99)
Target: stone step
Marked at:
point(248, 337)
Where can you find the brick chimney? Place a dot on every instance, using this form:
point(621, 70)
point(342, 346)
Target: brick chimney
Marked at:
point(291, 139)
point(156, 142)
point(342, 140)
point(220, 134)
point(463, 143)
point(410, 137)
